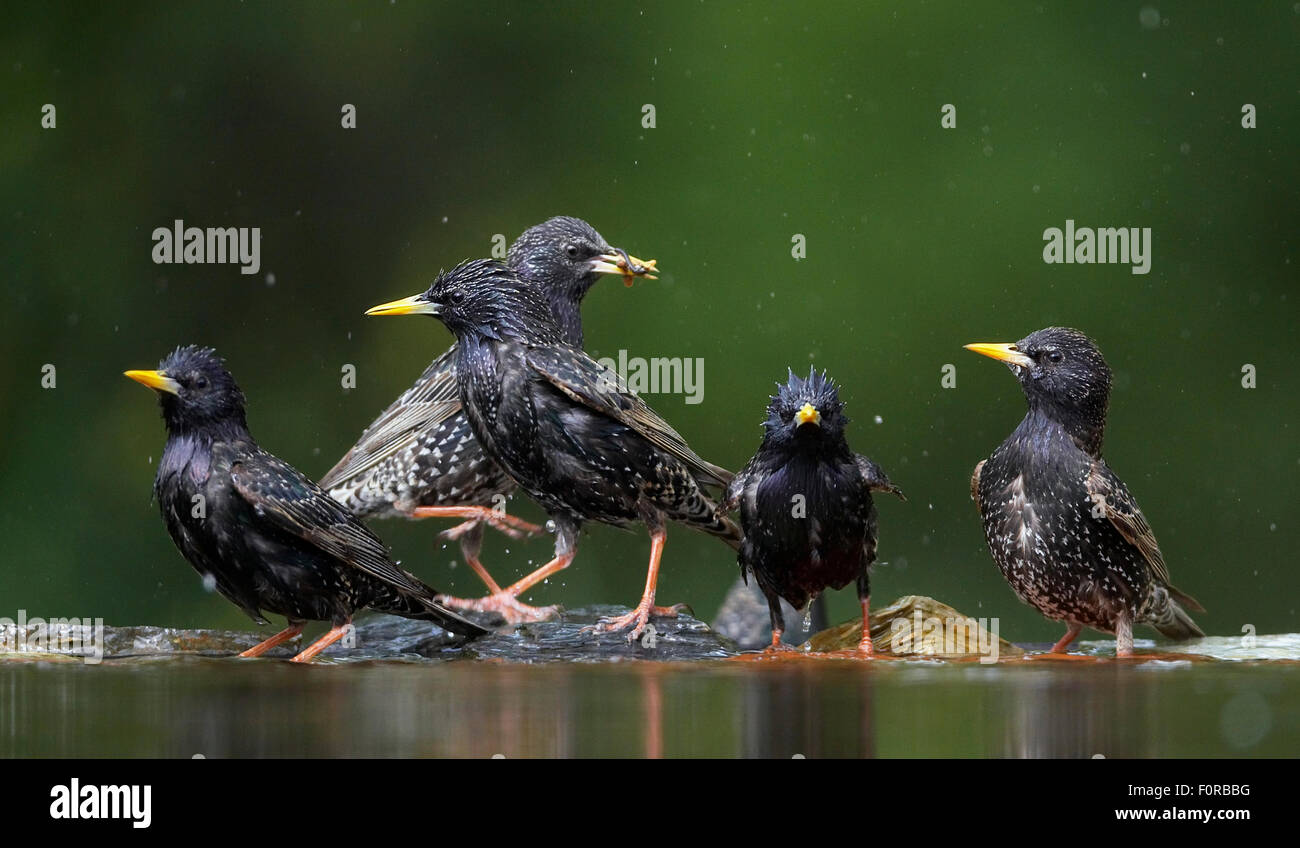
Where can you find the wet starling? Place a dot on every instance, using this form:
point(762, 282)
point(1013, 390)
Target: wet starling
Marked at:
point(562, 426)
point(1063, 529)
point(419, 458)
point(805, 504)
point(263, 534)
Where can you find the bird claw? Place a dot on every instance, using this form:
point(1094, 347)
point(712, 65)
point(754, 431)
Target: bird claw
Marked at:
point(503, 604)
point(638, 619)
point(515, 528)
point(454, 533)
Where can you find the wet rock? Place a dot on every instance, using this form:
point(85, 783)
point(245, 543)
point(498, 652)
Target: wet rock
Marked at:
point(911, 626)
point(60, 641)
point(562, 639)
point(384, 637)
point(915, 625)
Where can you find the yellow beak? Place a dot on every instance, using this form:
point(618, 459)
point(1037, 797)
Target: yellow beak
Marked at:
point(156, 380)
point(808, 415)
point(1002, 352)
point(626, 264)
point(413, 305)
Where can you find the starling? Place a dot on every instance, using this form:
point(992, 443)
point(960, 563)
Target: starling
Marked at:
point(805, 504)
point(419, 458)
point(563, 427)
point(263, 534)
point(1063, 529)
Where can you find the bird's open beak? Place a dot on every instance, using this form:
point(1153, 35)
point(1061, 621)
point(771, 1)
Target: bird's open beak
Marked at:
point(156, 380)
point(413, 305)
point(1003, 352)
point(808, 414)
point(619, 261)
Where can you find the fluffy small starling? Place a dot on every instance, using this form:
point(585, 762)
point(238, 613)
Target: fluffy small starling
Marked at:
point(1063, 529)
point(419, 459)
point(805, 504)
point(259, 531)
point(563, 427)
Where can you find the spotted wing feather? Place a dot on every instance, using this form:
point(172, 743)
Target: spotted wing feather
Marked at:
point(1107, 490)
point(285, 498)
point(587, 382)
point(429, 402)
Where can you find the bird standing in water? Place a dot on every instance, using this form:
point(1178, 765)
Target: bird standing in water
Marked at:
point(805, 504)
point(262, 533)
point(419, 458)
point(1063, 529)
point(564, 427)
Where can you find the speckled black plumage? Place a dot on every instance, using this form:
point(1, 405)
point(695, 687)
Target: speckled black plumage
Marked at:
point(265, 536)
point(1063, 528)
point(420, 451)
point(562, 426)
point(805, 502)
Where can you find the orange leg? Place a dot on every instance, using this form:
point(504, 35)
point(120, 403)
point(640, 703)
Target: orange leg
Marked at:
point(777, 645)
point(493, 587)
point(502, 602)
point(1060, 646)
point(522, 585)
point(864, 645)
point(639, 617)
point(515, 528)
point(505, 601)
point(335, 634)
point(293, 631)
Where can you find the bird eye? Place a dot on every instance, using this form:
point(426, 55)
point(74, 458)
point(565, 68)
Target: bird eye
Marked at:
point(200, 382)
point(572, 250)
point(457, 297)
point(1054, 356)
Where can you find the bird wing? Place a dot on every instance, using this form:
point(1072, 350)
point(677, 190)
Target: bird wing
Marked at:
point(1109, 492)
point(975, 485)
point(600, 389)
point(431, 400)
point(876, 479)
point(284, 497)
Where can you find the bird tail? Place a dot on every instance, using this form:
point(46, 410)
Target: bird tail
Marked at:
point(709, 474)
point(1185, 599)
point(448, 620)
point(425, 607)
point(1172, 620)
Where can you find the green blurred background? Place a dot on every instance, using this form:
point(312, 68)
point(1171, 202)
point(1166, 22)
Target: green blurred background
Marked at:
point(479, 119)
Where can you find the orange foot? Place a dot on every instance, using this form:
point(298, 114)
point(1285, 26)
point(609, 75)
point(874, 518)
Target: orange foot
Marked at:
point(515, 528)
point(503, 604)
point(637, 619)
point(865, 648)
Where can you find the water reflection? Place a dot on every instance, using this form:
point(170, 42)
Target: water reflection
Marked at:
point(181, 707)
